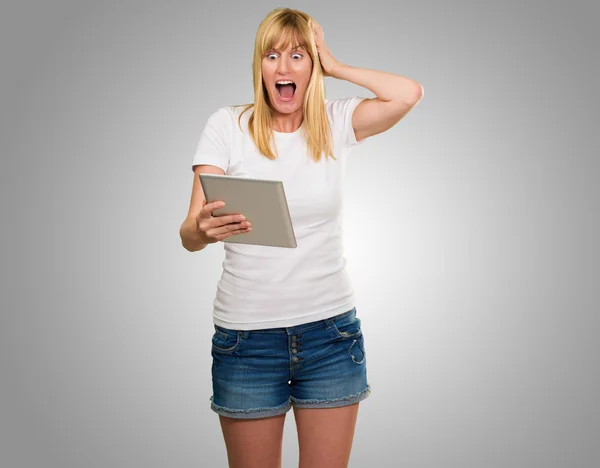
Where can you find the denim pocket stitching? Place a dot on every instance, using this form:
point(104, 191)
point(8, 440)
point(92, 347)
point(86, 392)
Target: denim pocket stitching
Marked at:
point(231, 348)
point(344, 334)
point(360, 345)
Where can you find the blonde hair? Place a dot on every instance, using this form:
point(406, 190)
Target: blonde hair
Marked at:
point(286, 26)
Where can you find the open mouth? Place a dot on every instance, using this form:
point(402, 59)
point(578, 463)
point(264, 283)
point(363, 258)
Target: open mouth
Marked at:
point(286, 90)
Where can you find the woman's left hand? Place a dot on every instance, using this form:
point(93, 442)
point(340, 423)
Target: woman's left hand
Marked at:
point(328, 63)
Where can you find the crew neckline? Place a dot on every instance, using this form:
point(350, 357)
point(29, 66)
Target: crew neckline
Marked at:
point(284, 134)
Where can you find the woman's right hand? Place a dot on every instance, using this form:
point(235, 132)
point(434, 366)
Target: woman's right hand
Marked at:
point(216, 228)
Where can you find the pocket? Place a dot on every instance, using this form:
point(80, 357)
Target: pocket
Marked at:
point(357, 351)
point(225, 340)
point(348, 327)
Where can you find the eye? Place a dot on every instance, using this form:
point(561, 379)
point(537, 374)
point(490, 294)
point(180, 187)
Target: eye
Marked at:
point(271, 55)
point(299, 55)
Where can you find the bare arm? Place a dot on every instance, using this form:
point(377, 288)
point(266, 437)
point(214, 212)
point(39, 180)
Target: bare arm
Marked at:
point(191, 238)
point(396, 94)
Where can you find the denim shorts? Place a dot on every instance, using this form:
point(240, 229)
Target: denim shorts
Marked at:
point(262, 373)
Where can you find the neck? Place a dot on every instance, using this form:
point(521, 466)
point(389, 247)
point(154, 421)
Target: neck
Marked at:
point(287, 123)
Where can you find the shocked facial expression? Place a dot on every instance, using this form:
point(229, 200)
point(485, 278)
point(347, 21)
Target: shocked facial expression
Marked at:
point(286, 74)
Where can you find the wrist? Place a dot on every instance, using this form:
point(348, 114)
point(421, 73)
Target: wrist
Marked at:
point(190, 233)
point(337, 69)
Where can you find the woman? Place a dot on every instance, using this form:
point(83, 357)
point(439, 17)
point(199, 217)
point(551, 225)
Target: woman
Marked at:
point(286, 330)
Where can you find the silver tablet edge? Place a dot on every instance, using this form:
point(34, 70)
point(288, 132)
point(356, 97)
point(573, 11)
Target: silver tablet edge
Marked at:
point(290, 227)
point(214, 176)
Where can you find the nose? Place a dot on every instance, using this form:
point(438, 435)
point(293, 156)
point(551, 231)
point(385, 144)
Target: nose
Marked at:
point(283, 66)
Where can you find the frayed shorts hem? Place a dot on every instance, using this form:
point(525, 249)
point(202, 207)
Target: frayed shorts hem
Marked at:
point(334, 402)
point(250, 413)
point(285, 407)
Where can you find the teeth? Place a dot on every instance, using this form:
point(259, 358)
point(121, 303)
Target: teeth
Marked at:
point(285, 82)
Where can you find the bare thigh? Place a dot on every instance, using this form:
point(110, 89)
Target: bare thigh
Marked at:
point(253, 443)
point(325, 435)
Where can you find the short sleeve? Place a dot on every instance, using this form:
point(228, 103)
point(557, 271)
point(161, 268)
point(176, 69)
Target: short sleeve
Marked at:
point(214, 144)
point(341, 113)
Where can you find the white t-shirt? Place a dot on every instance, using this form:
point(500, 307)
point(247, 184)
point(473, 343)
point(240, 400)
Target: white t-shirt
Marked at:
point(268, 287)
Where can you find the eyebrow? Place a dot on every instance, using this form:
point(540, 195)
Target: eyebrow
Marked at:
point(297, 48)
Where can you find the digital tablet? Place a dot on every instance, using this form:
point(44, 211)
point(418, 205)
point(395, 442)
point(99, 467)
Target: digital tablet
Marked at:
point(261, 201)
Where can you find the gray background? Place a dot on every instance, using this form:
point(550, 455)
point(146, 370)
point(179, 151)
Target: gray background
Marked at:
point(471, 231)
